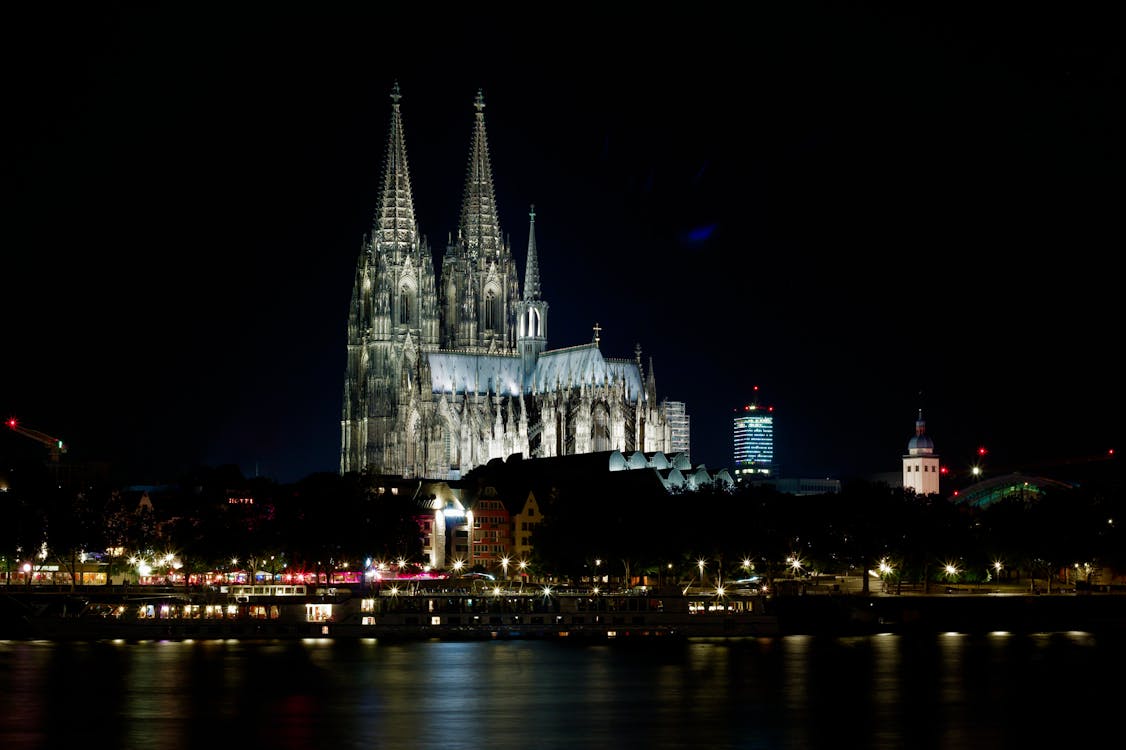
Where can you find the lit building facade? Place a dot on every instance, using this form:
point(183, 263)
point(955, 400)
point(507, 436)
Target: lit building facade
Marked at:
point(679, 428)
point(753, 428)
point(921, 464)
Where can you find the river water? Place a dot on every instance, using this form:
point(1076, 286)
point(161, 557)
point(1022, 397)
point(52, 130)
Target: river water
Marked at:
point(882, 691)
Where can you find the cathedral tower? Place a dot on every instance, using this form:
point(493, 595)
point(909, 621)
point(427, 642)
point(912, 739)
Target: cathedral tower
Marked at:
point(480, 287)
point(394, 311)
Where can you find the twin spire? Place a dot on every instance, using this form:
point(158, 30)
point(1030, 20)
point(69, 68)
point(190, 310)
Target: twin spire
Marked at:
point(480, 225)
point(395, 226)
point(479, 229)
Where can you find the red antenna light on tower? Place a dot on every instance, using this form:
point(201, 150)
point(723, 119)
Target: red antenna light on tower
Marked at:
point(981, 451)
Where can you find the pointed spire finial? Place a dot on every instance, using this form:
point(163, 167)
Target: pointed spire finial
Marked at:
point(532, 269)
point(480, 225)
point(395, 95)
point(597, 331)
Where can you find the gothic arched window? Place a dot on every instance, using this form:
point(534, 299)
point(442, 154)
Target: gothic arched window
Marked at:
point(491, 311)
point(451, 304)
point(600, 429)
point(405, 305)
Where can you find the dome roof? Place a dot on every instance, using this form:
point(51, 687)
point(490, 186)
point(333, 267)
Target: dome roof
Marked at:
point(920, 443)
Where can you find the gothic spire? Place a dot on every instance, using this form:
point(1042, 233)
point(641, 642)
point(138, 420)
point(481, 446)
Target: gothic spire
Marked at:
point(480, 225)
point(532, 270)
point(651, 384)
point(395, 227)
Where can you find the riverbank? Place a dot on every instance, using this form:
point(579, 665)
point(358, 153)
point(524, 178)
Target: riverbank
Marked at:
point(956, 612)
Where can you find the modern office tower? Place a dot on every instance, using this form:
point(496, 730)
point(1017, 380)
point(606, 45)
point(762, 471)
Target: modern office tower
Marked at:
point(921, 464)
point(678, 420)
point(754, 441)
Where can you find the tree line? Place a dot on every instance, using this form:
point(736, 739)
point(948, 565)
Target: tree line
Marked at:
point(328, 521)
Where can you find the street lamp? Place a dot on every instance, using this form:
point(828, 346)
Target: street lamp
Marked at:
point(885, 571)
point(700, 564)
point(504, 566)
point(951, 572)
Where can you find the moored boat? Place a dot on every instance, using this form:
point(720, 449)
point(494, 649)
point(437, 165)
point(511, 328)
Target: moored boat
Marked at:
point(307, 612)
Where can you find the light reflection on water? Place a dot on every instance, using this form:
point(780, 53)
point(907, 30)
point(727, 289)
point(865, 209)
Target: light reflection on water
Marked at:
point(945, 691)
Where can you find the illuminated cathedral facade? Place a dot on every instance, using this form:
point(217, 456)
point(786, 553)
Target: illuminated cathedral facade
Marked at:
point(449, 368)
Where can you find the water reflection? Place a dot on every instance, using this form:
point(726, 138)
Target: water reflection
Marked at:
point(946, 691)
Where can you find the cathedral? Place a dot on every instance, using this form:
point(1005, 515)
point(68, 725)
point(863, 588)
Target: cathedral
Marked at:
point(448, 369)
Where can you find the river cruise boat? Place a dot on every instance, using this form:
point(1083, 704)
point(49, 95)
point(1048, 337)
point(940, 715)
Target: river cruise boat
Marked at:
point(306, 611)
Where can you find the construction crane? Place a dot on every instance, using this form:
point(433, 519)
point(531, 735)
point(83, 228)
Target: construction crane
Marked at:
point(55, 447)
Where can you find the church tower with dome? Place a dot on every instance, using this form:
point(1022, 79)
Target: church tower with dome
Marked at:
point(920, 464)
point(446, 373)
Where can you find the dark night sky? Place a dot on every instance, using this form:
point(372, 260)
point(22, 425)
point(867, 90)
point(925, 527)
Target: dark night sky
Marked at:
point(847, 206)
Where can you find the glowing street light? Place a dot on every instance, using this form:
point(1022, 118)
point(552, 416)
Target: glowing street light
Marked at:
point(504, 566)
